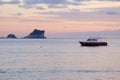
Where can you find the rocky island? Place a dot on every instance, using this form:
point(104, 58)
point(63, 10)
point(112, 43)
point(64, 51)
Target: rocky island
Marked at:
point(11, 36)
point(36, 34)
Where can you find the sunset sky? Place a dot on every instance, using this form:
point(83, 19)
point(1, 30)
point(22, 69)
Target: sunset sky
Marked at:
point(20, 17)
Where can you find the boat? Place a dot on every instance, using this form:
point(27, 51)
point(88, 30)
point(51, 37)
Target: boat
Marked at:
point(93, 42)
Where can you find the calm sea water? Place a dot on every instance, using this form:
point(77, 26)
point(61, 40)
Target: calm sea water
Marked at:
point(58, 59)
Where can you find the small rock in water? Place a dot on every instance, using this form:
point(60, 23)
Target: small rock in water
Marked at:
point(11, 36)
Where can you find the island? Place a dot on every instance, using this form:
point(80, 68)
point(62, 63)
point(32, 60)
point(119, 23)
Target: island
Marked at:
point(36, 34)
point(11, 36)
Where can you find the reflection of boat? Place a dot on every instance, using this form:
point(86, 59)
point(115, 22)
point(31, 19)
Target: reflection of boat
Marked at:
point(93, 42)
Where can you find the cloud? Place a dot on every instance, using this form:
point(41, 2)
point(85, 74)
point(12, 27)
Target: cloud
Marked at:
point(106, 14)
point(112, 13)
point(73, 9)
point(81, 0)
point(18, 14)
point(41, 8)
point(113, 25)
point(9, 2)
point(57, 6)
point(30, 2)
point(69, 5)
point(25, 6)
point(52, 3)
point(44, 4)
point(107, 0)
point(81, 5)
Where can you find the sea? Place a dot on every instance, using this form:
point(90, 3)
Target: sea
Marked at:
point(58, 59)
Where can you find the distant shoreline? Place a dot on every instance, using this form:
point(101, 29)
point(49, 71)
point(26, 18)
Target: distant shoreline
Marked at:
point(54, 38)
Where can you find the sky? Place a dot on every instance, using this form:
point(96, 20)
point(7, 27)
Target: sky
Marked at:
point(58, 17)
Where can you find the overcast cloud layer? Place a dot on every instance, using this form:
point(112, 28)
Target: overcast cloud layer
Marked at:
point(69, 9)
point(55, 3)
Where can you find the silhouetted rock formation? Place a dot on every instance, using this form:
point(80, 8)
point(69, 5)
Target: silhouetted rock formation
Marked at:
point(11, 36)
point(36, 34)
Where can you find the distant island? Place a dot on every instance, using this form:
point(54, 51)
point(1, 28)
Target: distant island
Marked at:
point(36, 34)
point(11, 36)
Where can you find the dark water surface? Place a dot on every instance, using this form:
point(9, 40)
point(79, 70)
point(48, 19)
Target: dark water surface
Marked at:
point(58, 59)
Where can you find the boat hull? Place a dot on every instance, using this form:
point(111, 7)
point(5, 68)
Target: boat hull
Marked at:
point(93, 43)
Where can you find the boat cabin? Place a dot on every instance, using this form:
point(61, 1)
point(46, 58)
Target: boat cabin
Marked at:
point(92, 40)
